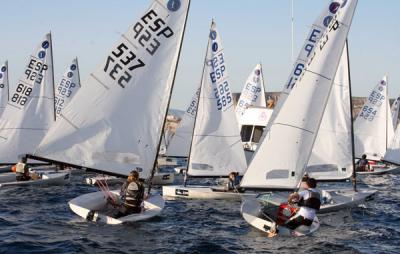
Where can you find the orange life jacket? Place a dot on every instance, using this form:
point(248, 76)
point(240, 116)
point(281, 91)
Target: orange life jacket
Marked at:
point(14, 168)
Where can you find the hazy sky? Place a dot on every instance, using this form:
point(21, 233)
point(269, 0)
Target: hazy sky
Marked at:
point(252, 31)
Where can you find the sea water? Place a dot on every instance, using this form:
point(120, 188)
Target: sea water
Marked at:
point(38, 220)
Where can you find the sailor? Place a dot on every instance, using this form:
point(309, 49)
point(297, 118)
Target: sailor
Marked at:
point(132, 195)
point(363, 164)
point(233, 181)
point(309, 202)
point(22, 170)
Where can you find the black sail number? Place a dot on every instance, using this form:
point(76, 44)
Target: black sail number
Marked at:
point(121, 63)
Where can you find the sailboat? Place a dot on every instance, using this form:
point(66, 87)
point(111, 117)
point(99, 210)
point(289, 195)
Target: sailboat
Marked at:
point(281, 159)
point(180, 142)
point(394, 109)
point(253, 93)
point(114, 123)
point(28, 115)
point(4, 87)
point(216, 148)
point(373, 130)
point(67, 87)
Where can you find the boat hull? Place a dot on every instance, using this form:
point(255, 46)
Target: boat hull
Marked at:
point(381, 171)
point(89, 206)
point(201, 192)
point(48, 178)
point(251, 212)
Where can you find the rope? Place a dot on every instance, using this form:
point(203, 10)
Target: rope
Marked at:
point(106, 190)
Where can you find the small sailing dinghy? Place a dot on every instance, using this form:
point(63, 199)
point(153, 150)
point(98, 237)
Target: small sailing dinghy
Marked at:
point(30, 110)
point(38, 177)
point(294, 129)
point(67, 87)
point(216, 148)
point(4, 87)
point(115, 122)
point(373, 131)
point(253, 93)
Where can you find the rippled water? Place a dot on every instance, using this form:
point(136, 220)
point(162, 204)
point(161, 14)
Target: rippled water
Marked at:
point(38, 220)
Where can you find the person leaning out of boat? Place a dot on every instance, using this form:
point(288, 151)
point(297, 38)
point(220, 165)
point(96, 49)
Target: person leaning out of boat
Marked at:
point(22, 170)
point(233, 181)
point(132, 195)
point(308, 201)
point(363, 164)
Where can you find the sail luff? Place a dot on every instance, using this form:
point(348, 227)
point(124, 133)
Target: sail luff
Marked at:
point(54, 82)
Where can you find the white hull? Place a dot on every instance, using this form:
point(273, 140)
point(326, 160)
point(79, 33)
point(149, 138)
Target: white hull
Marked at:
point(48, 178)
point(377, 170)
point(252, 214)
point(334, 200)
point(91, 205)
point(201, 192)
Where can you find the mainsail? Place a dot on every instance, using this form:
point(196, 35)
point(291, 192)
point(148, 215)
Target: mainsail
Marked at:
point(253, 93)
point(317, 29)
point(4, 87)
point(115, 122)
point(67, 87)
point(332, 152)
point(373, 128)
point(30, 110)
point(216, 147)
point(395, 112)
point(283, 155)
point(392, 154)
point(179, 144)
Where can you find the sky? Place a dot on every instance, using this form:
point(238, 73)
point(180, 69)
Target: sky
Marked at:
point(252, 31)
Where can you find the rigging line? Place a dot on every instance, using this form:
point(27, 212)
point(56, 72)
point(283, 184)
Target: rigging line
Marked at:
point(295, 127)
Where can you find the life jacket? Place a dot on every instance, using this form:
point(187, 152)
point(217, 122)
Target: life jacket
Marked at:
point(313, 201)
point(20, 168)
point(134, 198)
point(285, 212)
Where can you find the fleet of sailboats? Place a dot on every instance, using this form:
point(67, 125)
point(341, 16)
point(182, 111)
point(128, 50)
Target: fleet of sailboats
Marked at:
point(113, 122)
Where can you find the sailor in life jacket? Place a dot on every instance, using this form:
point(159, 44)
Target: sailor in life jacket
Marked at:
point(363, 164)
point(132, 195)
point(233, 181)
point(309, 202)
point(22, 170)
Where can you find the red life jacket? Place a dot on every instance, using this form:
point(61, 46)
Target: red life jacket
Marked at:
point(285, 212)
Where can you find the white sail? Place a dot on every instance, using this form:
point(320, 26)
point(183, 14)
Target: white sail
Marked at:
point(281, 158)
point(395, 112)
point(373, 128)
point(179, 144)
point(4, 87)
point(332, 152)
point(115, 122)
point(30, 110)
point(392, 154)
point(216, 147)
point(307, 51)
point(253, 93)
point(67, 87)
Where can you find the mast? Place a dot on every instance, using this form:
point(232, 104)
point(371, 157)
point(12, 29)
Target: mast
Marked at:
point(169, 101)
point(387, 112)
point(263, 84)
point(292, 29)
point(8, 82)
point(54, 92)
point(353, 156)
point(197, 108)
point(79, 73)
